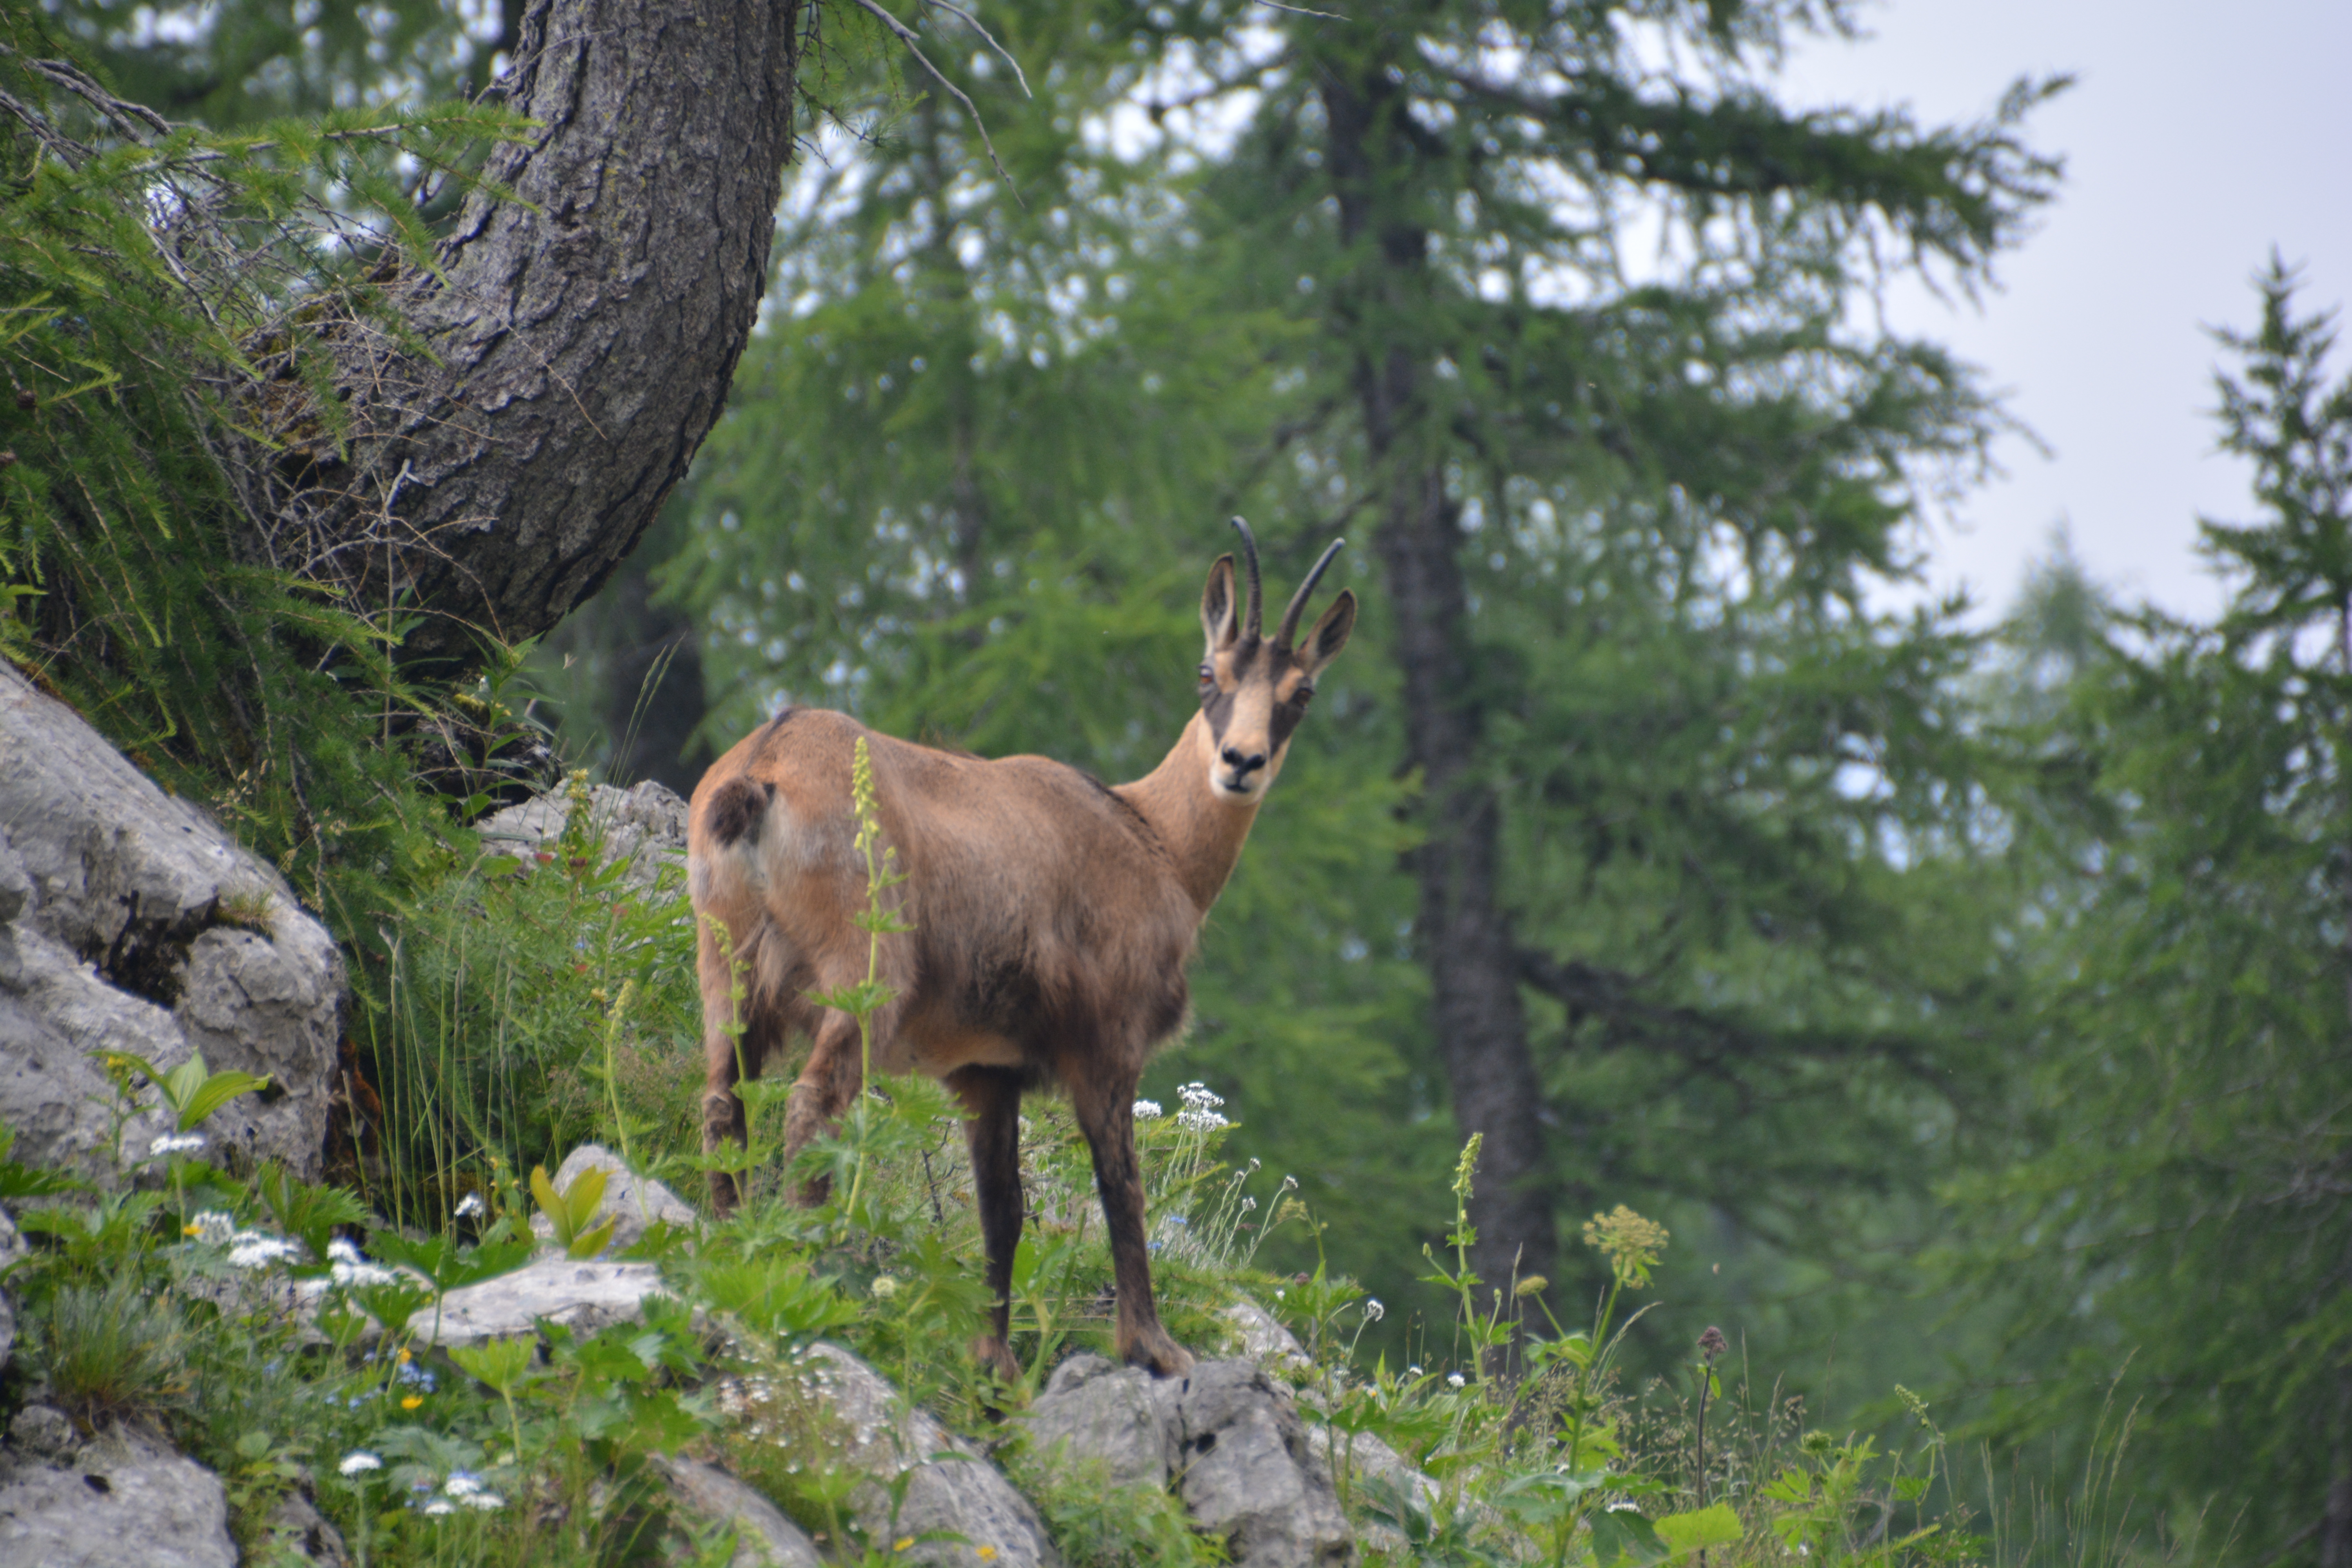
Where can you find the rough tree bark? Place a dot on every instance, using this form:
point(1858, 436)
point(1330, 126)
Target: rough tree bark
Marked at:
point(581, 338)
point(1464, 932)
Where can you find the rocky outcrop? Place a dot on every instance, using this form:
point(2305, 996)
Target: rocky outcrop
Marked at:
point(645, 826)
point(1227, 1437)
point(837, 1412)
point(633, 1202)
point(12, 1247)
point(765, 1538)
point(583, 1296)
point(130, 920)
point(125, 1501)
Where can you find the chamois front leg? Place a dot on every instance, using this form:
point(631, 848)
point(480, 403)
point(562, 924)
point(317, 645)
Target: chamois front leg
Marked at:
point(727, 1055)
point(991, 1130)
point(1107, 1116)
point(831, 1078)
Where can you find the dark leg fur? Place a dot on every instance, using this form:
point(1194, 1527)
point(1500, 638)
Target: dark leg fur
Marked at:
point(1107, 1116)
point(992, 1102)
point(820, 1095)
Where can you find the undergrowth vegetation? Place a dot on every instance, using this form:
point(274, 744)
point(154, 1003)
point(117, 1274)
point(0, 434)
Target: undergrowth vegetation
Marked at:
point(283, 1332)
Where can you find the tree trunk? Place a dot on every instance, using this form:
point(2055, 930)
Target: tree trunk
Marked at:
point(1464, 934)
point(581, 337)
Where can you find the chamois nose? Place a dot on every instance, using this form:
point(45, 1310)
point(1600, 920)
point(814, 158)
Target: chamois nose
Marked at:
point(1243, 763)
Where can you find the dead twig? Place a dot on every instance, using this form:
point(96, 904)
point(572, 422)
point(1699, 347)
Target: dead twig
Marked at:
point(906, 35)
point(973, 22)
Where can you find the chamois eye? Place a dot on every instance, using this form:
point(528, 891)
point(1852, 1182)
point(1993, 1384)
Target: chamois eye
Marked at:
point(1208, 675)
point(1298, 698)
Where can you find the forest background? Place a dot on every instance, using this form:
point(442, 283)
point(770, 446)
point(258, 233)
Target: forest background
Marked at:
point(1969, 1006)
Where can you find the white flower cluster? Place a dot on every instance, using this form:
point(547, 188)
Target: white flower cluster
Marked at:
point(471, 1206)
point(257, 1249)
point(213, 1227)
point(1148, 1111)
point(1373, 1311)
point(348, 1268)
point(177, 1143)
point(358, 1462)
point(469, 1490)
point(1199, 1112)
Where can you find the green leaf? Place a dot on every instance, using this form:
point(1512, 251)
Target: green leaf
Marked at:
point(498, 1363)
point(1621, 1536)
point(215, 1091)
point(589, 1242)
point(587, 1191)
point(1685, 1534)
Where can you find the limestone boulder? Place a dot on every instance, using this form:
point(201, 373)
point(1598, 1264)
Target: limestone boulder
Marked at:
point(126, 1500)
point(130, 920)
point(584, 1296)
point(1226, 1438)
point(633, 1202)
point(765, 1538)
point(837, 1411)
point(645, 827)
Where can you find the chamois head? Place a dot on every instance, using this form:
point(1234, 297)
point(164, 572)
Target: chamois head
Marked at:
point(1253, 693)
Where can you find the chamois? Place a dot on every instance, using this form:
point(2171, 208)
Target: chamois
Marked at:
point(1053, 918)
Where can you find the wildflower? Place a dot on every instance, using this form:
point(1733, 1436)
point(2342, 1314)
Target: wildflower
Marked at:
point(342, 1250)
point(1201, 1120)
point(1373, 1311)
point(902, 1543)
point(358, 1461)
point(1148, 1111)
point(416, 1376)
point(1248, 1204)
point(1631, 1243)
point(462, 1484)
point(988, 1554)
point(177, 1143)
point(1453, 1380)
point(440, 1507)
point(471, 1206)
point(1413, 1372)
point(213, 1227)
point(1712, 1344)
point(413, 1401)
point(885, 1287)
point(253, 1249)
point(485, 1502)
point(1627, 1505)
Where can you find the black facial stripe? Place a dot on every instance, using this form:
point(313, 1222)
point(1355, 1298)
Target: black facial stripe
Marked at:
point(1287, 715)
point(1217, 706)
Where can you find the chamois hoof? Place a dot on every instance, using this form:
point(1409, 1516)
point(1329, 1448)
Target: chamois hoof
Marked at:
point(1157, 1355)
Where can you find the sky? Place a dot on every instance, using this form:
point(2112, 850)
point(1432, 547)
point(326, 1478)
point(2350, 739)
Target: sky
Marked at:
point(2197, 138)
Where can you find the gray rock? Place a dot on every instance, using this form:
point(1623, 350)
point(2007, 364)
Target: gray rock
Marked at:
point(130, 920)
point(12, 1247)
point(127, 1501)
point(645, 826)
point(631, 1202)
point(296, 1524)
point(582, 1296)
point(948, 1487)
point(1259, 1336)
point(765, 1538)
point(1251, 1475)
point(1356, 1459)
point(1123, 1416)
point(1227, 1436)
point(46, 1433)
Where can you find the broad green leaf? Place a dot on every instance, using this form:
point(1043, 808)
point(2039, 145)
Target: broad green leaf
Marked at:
point(1685, 1534)
point(213, 1092)
point(1623, 1538)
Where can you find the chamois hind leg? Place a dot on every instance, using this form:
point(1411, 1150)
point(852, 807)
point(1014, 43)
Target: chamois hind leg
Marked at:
point(1106, 1108)
point(727, 1057)
point(831, 1078)
point(991, 1130)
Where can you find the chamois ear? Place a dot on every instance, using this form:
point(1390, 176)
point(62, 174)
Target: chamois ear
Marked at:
point(1329, 634)
point(1221, 617)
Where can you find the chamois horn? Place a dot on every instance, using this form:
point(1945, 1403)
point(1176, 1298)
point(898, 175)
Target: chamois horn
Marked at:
point(1254, 623)
point(1298, 600)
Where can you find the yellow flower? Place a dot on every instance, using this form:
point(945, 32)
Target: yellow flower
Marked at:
point(988, 1554)
point(403, 1357)
point(903, 1542)
point(413, 1401)
point(191, 1230)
